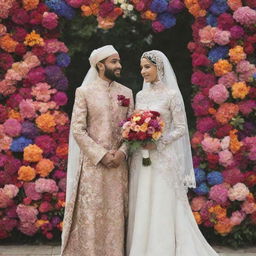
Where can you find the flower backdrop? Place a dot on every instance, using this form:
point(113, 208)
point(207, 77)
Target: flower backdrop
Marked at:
point(34, 127)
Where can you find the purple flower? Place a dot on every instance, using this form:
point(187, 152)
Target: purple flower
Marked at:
point(63, 60)
point(29, 130)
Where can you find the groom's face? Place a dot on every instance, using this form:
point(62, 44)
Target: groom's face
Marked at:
point(112, 67)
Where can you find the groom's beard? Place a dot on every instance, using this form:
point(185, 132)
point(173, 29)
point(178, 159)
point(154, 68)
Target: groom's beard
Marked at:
point(110, 74)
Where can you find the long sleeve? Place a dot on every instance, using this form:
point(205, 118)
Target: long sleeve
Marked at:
point(94, 151)
point(178, 120)
point(124, 147)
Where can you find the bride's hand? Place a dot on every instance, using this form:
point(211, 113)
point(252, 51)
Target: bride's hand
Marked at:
point(149, 146)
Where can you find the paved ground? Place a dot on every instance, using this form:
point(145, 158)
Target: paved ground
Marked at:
point(49, 250)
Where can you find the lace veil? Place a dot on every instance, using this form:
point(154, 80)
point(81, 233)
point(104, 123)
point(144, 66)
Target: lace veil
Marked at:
point(167, 76)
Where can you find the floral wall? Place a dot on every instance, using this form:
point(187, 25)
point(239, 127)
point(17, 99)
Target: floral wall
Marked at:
point(34, 127)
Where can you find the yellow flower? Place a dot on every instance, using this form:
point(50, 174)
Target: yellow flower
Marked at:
point(222, 67)
point(240, 90)
point(26, 173)
point(33, 39)
point(144, 127)
point(40, 223)
point(156, 135)
point(237, 54)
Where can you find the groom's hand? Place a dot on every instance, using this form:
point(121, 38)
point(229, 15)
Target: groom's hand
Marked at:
point(119, 157)
point(107, 160)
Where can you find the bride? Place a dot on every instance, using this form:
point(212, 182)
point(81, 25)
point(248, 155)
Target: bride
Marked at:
point(161, 222)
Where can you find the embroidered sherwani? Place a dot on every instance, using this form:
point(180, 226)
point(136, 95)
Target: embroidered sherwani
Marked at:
point(95, 216)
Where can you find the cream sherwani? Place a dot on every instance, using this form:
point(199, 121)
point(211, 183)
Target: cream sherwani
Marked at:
point(95, 216)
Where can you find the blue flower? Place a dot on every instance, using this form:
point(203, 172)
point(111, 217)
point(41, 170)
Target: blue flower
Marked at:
point(61, 8)
point(202, 189)
point(211, 20)
point(214, 178)
point(200, 175)
point(63, 60)
point(167, 19)
point(218, 52)
point(159, 6)
point(254, 76)
point(18, 144)
point(218, 7)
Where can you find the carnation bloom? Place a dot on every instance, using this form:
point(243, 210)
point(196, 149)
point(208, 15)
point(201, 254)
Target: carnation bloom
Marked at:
point(7, 43)
point(46, 122)
point(226, 112)
point(211, 145)
point(237, 217)
point(222, 67)
point(50, 20)
point(222, 37)
point(44, 167)
point(31, 192)
point(226, 158)
point(249, 207)
point(234, 4)
point(219, 193)
point(29, 5)
point(33, 39)
point(42, 92)
point(12, 127)
point(46, 185)
point(198, 202)
point(26, 173)
point(240, 90)
point(33, 153)
point(27, 213)
point(228, 79)
point(237, 54)
point(218, 93)
point(10, 190)
point(207, 35)
point(238, 192)
point(245, 15)
point(223, 226)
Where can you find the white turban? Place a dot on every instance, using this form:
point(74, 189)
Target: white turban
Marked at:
point(101, 54)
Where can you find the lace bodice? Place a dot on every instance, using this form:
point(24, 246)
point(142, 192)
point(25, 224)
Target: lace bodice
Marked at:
point(159, 98)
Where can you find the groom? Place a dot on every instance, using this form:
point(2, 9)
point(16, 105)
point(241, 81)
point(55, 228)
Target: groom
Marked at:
point(95, 214)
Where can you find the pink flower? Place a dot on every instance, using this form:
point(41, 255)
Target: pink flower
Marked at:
point(46, 143)
point(28, 228)
point(12, 127)
point(44, 107)
point(5, 200)
point(233, 176)
point(226, 158)
point(219, 193)
point(75, 3)
point(207, 34)
point(46, 185)
point(60, 98)
point(237, 217)
point(53, 46)
point(237, 32)
point(225, 21)
point(158, 26)
point(198, 202)
point(42, 92)
point(50, 20)
point(225, 142)
point(222, 37)
point(211, 145)
point(27, 109)
point(202, 79)
point(205, 124)
point(245, 15)
point(249, 207)
point(30, 191)
point(244, 66)
point(238, 192)
point(35, 75)
point(200, 60)
point(247, 106)
point(62, 184)
point(11, 190)
point(228, 79)
point(45, 207)
point(27, 213)
point(218, 93)
point(3, 30)
point(201, 104)
point(31, 60)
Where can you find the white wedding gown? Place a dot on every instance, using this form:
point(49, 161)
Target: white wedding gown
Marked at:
point(161, 222)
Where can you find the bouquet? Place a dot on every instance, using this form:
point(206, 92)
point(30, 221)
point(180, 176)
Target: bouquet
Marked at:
point(140, 128)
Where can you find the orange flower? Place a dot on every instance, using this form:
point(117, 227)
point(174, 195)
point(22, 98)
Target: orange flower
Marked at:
point(194, 8)
point(197, 217)
point(156, 135)
point(235, 144)
point(240, 90)
point(33, 39)
point(14, 114)
point(44, 167)
point(222, 67)
point(211, 111)
point(218, 212)
point(7, 43)
point(105, 23)
point(26, 173)
point(149, 15)
point(40, 223)
point(60, 118)
point(226, 112)
point(46, 122)
point(234, 4)
point(237, 54)
point(29, 5)
point(86, 10)
point(62, 150)
point(223, 227)
point(32, 153)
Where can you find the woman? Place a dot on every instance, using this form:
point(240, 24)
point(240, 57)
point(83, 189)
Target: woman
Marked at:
point(160, 219)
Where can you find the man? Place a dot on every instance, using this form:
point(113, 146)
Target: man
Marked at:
point(96, 201)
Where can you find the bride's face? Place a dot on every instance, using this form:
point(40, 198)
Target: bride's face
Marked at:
point(148, 71)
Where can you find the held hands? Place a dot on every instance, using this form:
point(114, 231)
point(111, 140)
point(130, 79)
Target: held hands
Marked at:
point(149, 146)
point(113, 158)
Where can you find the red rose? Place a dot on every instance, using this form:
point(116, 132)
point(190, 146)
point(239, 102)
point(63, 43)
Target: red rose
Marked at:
point(126, 102)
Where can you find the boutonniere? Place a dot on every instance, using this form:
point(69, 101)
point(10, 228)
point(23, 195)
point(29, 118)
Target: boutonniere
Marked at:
point(122, 101)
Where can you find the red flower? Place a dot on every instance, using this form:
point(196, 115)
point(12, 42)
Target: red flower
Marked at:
point(155, 113)
point(126, 102)
point(122, 101)
point(141, 135)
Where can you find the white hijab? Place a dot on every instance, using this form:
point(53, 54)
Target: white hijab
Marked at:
point(182, 145)
point(74, 150)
